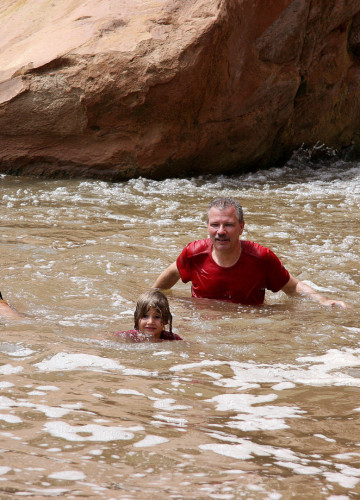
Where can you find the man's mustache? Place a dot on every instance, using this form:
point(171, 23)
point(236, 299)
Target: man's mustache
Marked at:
point(222, 238)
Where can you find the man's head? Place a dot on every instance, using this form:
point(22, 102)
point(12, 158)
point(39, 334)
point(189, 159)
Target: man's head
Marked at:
point(225, 225)
point(222, 203)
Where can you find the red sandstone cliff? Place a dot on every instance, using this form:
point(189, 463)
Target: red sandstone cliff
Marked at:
point(172, 87)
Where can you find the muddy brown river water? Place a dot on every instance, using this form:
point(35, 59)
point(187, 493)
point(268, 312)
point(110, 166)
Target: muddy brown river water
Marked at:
point(256, 403)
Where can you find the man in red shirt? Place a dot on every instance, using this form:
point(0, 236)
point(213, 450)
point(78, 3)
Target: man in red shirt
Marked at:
point(224, 267)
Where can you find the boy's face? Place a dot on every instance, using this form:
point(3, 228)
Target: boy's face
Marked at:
point(151, 324)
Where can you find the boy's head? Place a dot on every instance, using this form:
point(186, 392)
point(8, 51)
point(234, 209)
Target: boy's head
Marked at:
point(153, 299)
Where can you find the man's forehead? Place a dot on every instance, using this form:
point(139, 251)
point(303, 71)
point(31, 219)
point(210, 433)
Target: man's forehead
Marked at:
point(225, 213)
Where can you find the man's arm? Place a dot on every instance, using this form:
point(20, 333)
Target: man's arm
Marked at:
point(297, 287)
point(6, 311)
point(167, 278)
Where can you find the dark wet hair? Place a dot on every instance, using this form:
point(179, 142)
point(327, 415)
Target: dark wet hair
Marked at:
point(157, 300)
point(224, 202)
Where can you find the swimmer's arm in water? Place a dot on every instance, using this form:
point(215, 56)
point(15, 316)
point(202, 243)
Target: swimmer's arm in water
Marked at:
point(296, 287)
point(6, 311)
point(167, 278)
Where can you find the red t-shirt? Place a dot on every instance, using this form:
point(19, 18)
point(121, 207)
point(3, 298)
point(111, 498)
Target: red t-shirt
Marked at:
point(257, 269)
point(133, 336)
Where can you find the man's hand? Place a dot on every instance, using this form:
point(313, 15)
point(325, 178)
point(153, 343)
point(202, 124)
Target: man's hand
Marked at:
point(296, 287)
point(334, 303)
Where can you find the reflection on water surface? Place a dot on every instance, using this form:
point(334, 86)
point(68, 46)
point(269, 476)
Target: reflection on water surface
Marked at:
point(256, 402)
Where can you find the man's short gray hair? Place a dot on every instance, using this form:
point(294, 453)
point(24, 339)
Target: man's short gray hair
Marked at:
point(224, 202)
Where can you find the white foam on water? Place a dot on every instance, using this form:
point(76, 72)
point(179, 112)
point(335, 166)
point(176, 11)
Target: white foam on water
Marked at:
point(90, 432)
point(212, 374)
point(346, 456)
point(243, 402)
point(150, 440)
point(131, 392)
point(4, 470)
point(347, 477)
point(201, 364)
point(283, 385)
point(321, 436)
point(300, 469)
point(9, 369)
point(228, 450)
point(130, 312)
point(63, 361)
point(347, 470)
point(173, 421)
point(254, 418)
point(52, 411)
point(22, 352)
point(168, 405)
point(72, 406)
point(139, 373)
point(5, 385)
point(48, 388)
point(246, 450)
point(319, 371)
point(49, 411)
point(158, 391)
point(251, 423)
point(237, 471)
point(343, 480)
point(335, 358)
point(352, 329)
point(68, 475)
point(49, 492)
point(10, 419)
point(7, 402)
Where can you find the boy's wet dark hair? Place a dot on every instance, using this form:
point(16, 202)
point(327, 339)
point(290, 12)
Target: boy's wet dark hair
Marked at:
point(157, 300)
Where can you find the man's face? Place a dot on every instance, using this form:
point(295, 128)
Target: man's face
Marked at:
point(224, 229)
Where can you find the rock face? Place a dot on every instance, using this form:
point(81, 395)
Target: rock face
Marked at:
point(117, 89)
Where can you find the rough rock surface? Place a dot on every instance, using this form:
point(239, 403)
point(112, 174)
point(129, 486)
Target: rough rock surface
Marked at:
point(120, 88)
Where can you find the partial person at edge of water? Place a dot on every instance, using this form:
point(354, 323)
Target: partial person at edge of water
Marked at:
point(6, 311)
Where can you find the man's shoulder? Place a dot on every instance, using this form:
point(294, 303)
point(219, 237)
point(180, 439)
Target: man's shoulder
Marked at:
point(198, 247)
point(254, 249)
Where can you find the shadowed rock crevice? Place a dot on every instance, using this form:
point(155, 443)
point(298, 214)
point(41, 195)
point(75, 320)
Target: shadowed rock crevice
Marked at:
point(354, 36)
